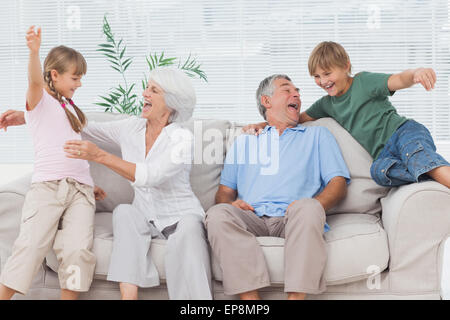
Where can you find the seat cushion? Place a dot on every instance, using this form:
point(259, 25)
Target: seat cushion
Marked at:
point(356, 245)
point(102, 248)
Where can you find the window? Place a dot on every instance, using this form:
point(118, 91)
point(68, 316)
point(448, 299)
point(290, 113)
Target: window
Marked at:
point(239, 42)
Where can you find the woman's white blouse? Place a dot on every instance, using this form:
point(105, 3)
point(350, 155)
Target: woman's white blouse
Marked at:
point(162, 187)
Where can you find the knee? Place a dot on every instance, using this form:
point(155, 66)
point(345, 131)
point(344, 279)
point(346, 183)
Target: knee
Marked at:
point(191, 221)
point(191, 225)
point(79, 256)
point(217, 215)
point(121, 213)
point(308, 211)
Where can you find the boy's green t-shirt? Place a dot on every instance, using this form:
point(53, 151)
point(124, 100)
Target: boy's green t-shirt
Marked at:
point(364, 110)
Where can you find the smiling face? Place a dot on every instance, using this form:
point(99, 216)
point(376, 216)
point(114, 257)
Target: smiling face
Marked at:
point(66, 83)
point(335, 81)
point(154, 102)
point(283, 107)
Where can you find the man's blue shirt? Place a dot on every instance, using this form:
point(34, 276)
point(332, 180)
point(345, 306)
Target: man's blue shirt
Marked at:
point(270, 171)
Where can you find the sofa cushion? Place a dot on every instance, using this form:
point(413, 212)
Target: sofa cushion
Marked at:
point(363, 194)
point(356, 245)
point(102, 248)
point(210, 137)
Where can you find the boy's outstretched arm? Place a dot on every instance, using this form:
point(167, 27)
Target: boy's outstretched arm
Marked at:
point(425, 76)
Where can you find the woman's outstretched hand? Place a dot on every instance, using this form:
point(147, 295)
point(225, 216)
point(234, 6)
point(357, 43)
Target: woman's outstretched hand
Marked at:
point(11, 118)
point(82, 149)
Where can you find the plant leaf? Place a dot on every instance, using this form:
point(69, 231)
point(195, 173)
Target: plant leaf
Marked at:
point(106, 45)
point(116, 69)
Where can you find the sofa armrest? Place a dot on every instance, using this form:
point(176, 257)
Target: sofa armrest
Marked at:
point(12, 197)
point(416, 218)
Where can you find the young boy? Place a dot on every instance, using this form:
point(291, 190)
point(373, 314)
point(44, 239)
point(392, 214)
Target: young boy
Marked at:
point(403, 150)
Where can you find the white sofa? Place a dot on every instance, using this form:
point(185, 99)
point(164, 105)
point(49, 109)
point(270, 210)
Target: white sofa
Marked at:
point(383, 243)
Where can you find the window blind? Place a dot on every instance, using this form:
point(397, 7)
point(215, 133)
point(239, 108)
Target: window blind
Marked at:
point(238, 42)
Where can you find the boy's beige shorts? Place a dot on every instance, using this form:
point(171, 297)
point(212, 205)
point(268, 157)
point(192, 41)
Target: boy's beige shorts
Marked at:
point(58, 214)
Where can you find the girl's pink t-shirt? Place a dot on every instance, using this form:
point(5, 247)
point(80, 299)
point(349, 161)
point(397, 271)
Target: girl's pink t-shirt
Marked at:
point(50, 129)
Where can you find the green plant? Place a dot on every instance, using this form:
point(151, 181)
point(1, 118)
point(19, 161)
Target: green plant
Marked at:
point(122, 99)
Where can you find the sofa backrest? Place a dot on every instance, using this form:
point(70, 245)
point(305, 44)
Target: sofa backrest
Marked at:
point(363, 194)
point(212, 139)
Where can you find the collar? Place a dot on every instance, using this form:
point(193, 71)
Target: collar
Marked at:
point(170, 128)
point(299, 127)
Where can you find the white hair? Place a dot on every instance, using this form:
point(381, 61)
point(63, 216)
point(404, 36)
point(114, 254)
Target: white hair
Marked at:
point(267, 88)
point(179, 94)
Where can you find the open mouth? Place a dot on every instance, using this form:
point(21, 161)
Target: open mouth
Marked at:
point(329, 87)
point(294, 106)
point(147, 106)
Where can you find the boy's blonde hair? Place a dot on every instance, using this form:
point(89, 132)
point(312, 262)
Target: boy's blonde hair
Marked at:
point(61, 59)
point(326, 55)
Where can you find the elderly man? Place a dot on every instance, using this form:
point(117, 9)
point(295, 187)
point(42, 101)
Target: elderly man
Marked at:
point(290, 201)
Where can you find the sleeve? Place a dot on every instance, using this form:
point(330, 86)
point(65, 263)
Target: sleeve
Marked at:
point(317, 110)
point(376, 84)
point(332, 163)
point(176, 157)
point(228, 177)
point(105, 132)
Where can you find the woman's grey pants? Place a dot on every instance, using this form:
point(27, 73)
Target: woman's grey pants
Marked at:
point(187, 259)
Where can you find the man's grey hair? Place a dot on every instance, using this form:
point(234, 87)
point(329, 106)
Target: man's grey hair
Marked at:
point(266, 88)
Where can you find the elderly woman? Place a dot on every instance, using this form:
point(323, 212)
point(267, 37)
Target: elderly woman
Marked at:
point(157, 156)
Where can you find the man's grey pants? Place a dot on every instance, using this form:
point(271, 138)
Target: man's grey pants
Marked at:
point(232, 234)
point(187, 262)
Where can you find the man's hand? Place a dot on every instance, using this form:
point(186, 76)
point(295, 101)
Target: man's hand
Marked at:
point(11, 118)
point(99, 193)
point(241, 204)
point(290, 205)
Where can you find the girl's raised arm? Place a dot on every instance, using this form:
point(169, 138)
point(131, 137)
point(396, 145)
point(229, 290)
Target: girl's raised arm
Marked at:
point(35, 78)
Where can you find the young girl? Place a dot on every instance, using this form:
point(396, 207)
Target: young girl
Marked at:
point(59, 208)
point(403, 150)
